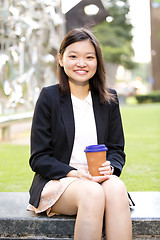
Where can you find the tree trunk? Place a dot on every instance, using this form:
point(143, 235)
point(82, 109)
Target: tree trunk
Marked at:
point(155, 44)
point(111, 71)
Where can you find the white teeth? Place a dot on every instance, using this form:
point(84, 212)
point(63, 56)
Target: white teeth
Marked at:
point(81, 71)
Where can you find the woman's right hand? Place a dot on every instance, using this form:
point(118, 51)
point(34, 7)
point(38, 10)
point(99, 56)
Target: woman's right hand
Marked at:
point(82, 174)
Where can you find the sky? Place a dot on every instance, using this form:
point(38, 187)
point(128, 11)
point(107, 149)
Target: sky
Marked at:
point(140, 19)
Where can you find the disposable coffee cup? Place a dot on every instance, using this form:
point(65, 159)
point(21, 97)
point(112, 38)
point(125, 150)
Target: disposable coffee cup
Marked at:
point(96, 155)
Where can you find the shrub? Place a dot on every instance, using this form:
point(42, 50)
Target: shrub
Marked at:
point(148, 98)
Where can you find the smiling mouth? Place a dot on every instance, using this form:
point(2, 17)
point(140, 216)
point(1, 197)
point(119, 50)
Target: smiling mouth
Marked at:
point(81, 71)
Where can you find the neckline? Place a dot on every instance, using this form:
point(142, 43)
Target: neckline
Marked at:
point(82, 100)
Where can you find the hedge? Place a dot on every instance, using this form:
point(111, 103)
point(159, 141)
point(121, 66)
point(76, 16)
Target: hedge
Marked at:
point(148, 98)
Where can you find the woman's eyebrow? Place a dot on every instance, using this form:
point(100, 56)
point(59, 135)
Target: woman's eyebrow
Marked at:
point(85, 53)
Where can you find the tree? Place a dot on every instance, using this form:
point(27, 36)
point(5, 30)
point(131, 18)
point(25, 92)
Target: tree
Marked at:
point(155, 40)
point(115, 35)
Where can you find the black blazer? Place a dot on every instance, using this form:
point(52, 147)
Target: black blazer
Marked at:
point(52, 137)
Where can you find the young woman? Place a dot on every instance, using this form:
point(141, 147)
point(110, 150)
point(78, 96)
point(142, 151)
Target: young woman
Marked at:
point(77, 112)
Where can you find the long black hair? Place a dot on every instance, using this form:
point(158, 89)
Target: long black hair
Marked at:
point(98, 81)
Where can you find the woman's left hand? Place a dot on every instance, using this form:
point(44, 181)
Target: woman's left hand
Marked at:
point(105, 172)
point(105, 169)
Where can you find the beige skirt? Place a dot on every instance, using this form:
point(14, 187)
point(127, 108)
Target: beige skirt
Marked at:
point(52, 192)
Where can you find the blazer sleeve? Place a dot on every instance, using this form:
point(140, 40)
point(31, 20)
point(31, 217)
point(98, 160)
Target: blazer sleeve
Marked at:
point(42, 160)
point(115, 141)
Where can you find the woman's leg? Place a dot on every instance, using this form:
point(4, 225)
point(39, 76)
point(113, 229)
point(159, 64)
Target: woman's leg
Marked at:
point(117, 213)
point(86, 199)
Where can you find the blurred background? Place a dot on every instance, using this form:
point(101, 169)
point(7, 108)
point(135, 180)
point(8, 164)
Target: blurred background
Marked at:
point(31, 32)
point(129, 34)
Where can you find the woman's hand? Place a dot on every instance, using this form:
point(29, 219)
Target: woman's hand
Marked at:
point(100, 179)
point(82, 174)
point(105, 171)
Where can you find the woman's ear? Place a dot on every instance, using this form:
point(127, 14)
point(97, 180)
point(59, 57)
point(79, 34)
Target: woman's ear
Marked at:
point(60, 60)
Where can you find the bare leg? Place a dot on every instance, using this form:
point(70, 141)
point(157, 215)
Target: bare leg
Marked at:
point(117, 213)
point(86, 199)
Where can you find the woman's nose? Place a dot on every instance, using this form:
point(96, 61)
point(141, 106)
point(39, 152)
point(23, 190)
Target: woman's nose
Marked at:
point(81, 63)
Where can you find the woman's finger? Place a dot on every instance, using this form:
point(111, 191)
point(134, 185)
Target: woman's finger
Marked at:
point(100, 179)
point(107, 163)
point(83, 174)
point(105, 170)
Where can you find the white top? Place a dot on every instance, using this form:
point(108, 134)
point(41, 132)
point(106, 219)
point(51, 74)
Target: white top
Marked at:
point(85, 128)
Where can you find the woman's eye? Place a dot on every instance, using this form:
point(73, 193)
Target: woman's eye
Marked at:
point(90, 57)
point(73, 56)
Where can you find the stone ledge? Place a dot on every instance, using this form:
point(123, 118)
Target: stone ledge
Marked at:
point(17, 223)
point(34, 238)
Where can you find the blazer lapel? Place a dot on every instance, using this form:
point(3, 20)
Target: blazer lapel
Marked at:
point(100, 118)
point(100, 113)
point(68, 119)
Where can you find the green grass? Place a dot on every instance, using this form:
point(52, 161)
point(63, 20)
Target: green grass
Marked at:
point(15, 173)
point(141, 173)
point(142, 133)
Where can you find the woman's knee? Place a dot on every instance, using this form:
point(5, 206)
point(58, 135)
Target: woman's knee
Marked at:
point(92, 195)
point(114, 188)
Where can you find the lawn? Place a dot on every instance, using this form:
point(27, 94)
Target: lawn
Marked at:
point(15, 173)
point(142, 133)
point(141, 172)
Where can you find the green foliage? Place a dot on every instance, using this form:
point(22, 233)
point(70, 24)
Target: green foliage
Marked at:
point(115, 37)
point(148, 98)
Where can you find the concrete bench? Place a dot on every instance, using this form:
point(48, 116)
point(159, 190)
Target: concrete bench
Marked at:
point(17, 223)
point(7, 121)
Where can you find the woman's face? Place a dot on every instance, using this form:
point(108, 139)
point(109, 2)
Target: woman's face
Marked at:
point(80, 62)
